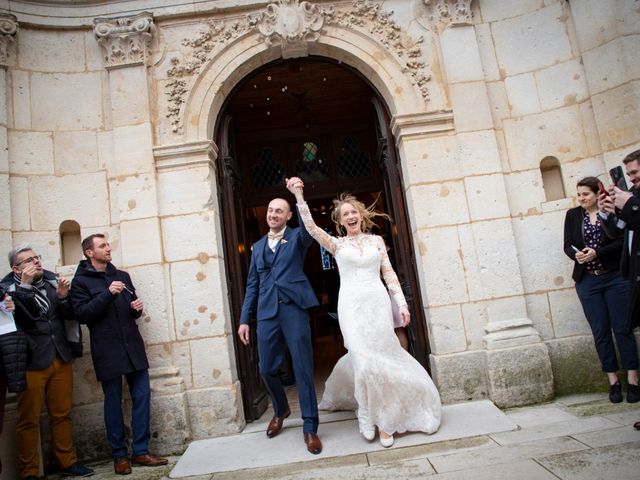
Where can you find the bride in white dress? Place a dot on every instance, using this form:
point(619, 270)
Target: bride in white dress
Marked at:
point(389, 389)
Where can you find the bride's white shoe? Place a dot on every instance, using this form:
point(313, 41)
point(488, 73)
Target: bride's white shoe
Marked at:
point(369, 434)
point(386, 441)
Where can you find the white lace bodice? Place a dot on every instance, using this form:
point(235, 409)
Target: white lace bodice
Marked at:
point(361, 259)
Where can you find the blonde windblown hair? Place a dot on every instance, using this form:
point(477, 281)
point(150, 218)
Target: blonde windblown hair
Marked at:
point(367, 213)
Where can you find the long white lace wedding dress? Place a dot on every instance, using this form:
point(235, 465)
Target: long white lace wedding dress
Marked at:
point(377, 377)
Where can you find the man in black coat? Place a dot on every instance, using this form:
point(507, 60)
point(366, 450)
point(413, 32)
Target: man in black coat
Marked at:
point(104, 299)
point(41, 309)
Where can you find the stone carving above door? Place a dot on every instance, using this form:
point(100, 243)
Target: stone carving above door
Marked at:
point(293, 25)
point(8, 32)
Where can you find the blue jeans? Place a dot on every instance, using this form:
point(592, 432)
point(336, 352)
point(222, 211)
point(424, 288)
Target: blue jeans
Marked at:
point(140, 413)
point(605, 301)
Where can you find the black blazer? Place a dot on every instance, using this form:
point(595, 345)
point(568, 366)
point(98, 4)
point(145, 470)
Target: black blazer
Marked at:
point(608, 254)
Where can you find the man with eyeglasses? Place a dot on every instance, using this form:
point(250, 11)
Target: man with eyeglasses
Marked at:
point(41, 307)
point(105, 299)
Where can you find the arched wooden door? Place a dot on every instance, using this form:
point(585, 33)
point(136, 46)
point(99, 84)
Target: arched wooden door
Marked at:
point(311, 118)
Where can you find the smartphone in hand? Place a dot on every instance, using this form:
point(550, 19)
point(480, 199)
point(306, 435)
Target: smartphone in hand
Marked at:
point(617, 177)
point(601, 189)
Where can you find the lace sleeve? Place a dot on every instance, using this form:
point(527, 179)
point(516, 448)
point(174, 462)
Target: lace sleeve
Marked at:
point(390, 277)
point(322, 237)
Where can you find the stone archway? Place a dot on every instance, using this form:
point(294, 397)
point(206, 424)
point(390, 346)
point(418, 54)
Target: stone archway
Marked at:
point(362, 36)
point(366, 40)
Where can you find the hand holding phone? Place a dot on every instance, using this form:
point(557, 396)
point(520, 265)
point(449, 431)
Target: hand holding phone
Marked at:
point(602, 190)
point(617, 177)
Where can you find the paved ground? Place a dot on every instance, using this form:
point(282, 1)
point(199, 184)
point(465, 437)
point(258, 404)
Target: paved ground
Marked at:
point(582, 437)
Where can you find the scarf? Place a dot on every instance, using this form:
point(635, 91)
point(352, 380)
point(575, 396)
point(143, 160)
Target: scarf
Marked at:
point(40, 292)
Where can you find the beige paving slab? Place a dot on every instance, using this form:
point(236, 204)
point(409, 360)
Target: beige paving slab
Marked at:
point(534, 416)
point(406, 470)
point(501, 455)
point(619, 462)
point(339, 438)
point(559, 429)
point(614, 436)
point(525, 470)
point(424, 451)
point(347, 462)
point(624, 418)
point(579, 398)
point(602, 407)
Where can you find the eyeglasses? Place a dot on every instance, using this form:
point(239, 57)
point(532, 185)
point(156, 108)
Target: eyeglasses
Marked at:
point(29, 260)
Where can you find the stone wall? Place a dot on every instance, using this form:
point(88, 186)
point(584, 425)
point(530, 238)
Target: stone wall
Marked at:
point(110, 123)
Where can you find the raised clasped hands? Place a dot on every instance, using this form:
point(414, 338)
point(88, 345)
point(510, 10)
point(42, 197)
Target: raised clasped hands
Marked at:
point(294, 185)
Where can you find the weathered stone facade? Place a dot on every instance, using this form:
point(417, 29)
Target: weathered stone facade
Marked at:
point(110, 122)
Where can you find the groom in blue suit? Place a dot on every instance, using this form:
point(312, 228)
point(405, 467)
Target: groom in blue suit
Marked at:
point(279, 291)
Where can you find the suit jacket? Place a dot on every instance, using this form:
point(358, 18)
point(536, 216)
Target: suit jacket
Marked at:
point(283, 280)
point(608, 253)
point(44, 332)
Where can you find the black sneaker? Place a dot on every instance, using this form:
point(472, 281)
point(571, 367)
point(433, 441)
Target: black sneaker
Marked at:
point(615, 393)
point(76, 470)
point(633, 393)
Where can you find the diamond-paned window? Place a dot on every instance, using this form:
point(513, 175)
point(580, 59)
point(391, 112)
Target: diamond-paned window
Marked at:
point(267, 172)
point(311, 167)
point(353, 162)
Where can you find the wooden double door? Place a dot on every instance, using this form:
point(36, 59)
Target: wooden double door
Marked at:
point(316, 119)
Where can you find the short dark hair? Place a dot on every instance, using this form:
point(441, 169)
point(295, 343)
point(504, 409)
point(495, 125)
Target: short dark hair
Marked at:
point(633, 156)
point(589, 182)
point(87, 243)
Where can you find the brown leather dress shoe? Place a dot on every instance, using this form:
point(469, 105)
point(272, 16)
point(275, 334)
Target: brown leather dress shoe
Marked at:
point(314, 445)
point(275, 425)
point(149, 460)
point(122, 466)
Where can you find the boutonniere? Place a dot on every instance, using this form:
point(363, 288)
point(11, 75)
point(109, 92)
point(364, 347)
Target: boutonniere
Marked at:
point(283, 241)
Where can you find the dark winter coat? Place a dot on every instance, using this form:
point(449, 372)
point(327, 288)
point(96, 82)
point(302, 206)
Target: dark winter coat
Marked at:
point(13, 363)
point(45, 332)
point(117, 347)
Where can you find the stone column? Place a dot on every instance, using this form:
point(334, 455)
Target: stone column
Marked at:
point(126, 42)
point(191, 229)
point(8, 32)
point(483, 303)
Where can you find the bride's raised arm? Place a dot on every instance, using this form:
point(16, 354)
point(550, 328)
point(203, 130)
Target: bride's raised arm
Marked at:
point(295, 185)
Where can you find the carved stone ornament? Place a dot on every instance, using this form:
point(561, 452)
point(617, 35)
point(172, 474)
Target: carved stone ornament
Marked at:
point(8, 32)
point(447, 13)
point(126, 40)
point(293, 24)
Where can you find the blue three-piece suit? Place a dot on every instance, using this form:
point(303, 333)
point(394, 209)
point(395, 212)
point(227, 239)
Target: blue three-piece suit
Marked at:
point(280, 294)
